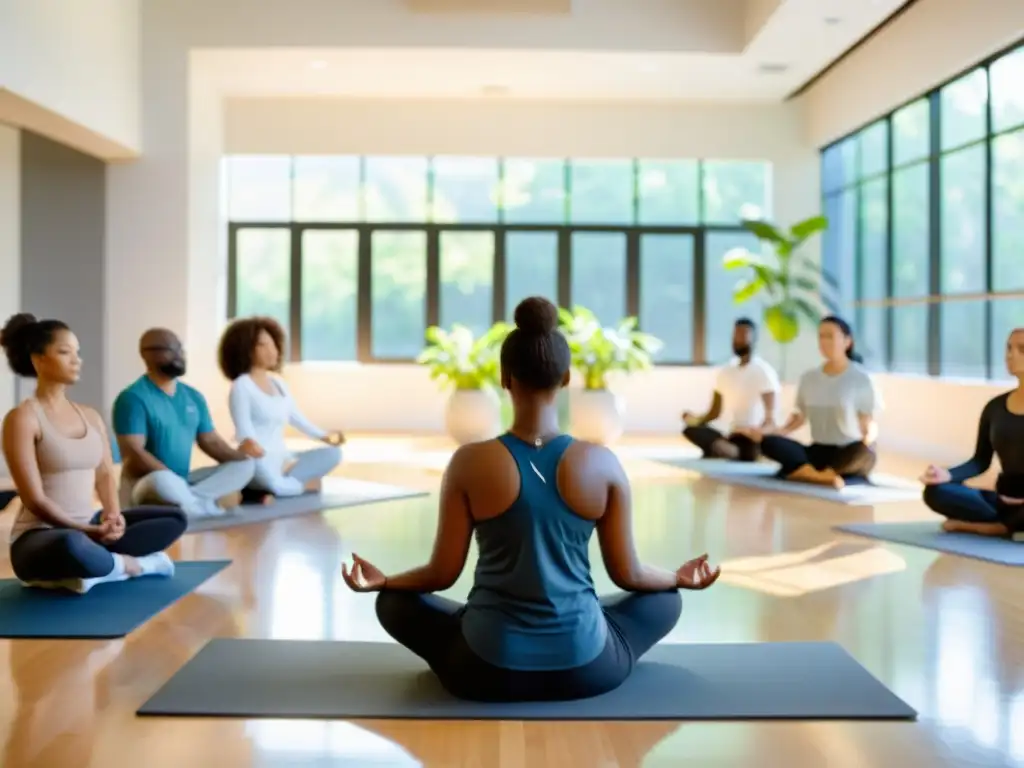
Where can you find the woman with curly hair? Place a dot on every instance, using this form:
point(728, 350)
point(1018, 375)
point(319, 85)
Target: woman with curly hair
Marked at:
point(261, 407)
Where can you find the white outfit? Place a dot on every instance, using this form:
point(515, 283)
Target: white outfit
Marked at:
point(742, 388)
point(263, 418)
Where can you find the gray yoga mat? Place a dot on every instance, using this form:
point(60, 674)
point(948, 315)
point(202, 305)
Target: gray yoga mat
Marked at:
point(928, 535)
point(338, 492)
point(762, 475)
point(350, 680)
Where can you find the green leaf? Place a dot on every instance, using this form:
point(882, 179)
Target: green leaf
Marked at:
point(804, 229)
point(763, 230)
point(782, 322)
point(807, 310)
point(806, 283)
point(747, 289)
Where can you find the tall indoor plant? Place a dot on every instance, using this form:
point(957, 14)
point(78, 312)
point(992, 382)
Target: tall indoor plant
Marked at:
point(469, 367)
point(790, 282)
point(596, 412)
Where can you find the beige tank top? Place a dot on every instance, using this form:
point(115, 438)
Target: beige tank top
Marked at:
point(67, 466)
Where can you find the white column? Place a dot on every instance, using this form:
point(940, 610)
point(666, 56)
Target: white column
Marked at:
point(10, 252)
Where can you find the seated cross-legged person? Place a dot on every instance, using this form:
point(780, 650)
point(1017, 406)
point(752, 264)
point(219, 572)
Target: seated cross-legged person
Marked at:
point(746, 389)
point(158, 419)
point(261, 408)
point(533, 627)
point(1000, 434)
point(839, 401)
point(58, 453)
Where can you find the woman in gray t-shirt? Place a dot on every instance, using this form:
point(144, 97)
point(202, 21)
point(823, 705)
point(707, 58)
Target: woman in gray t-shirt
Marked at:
point(839, 402)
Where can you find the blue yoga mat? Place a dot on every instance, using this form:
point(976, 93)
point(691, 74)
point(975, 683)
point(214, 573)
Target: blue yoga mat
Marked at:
point(929, 535)
point(340, 680)
point(105, 611)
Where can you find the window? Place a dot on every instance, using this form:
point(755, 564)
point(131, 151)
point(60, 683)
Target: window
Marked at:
point(263, 257)
point(531, 267)
point(735, 190)
point(668, 192)
point(467, 279)
point(356, 256)
point(330, 287)
point(601, 192)
point(465, 190)
point(719, 283)
point(599, 274)
point(939, 233)
point(398, 274)
point(666, 293)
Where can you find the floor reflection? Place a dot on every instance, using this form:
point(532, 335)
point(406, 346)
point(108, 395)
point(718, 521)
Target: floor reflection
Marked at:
point(945, 633)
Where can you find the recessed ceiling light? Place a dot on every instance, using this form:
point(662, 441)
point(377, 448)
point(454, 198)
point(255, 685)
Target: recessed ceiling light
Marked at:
point(833, 20)
point(318, 64)
point(772, 68)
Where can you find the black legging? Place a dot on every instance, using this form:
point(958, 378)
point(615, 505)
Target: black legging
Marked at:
point(54, 554)
point(973, 505)
point(854, 461)
point(430, 626)
point(705, 437)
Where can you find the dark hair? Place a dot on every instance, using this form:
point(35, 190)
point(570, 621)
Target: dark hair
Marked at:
point(536, 353)
point(23, 336)
point(238, 343)
point(746, 322)
point(844, 326)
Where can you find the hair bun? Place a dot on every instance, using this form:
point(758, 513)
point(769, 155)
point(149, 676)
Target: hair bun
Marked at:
point(536, 316)
point(14, 326)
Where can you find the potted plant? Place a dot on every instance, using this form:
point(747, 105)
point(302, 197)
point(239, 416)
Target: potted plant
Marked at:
point(596, 413)
point(791, 282)
point(470, 368)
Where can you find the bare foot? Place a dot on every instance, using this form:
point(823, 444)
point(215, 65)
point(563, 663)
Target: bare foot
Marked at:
point(314, 486)
point(267, 499)
point(981, 529)
point(808, 474)
point(131, 566)
point(230, 501)
point(723, 449)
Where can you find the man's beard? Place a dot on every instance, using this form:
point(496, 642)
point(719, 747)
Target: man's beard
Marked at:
point(741, 350)
point(173, 369)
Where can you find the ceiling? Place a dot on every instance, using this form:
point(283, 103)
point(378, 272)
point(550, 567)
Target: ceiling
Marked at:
point(784, 44)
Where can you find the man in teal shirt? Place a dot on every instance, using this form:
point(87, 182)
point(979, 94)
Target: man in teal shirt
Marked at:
point(158, 419)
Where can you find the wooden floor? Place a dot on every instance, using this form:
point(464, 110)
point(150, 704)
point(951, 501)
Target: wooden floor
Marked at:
point(946, 634)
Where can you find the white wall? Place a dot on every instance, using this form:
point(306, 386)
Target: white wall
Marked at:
point(930, 43)
point(78, 59)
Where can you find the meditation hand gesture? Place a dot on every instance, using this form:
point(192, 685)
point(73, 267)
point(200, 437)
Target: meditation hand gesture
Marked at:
point(690, 419)
point(363, 576)
point(697, 574)
point(251, 448)
point(335, 438)
point(115, 525)
point(935, 475)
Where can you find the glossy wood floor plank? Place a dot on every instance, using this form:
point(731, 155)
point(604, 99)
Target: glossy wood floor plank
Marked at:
point(947, 634)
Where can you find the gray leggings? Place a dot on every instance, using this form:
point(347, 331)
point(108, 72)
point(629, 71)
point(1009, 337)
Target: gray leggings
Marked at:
point(197, 494)
point(309, 465)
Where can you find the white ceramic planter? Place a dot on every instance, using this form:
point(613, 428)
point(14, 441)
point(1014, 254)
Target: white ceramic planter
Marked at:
point(596, 415)
point(473, 415)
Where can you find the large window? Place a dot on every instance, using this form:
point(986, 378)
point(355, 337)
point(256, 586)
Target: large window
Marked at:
point(927, 225)
point(357, 256)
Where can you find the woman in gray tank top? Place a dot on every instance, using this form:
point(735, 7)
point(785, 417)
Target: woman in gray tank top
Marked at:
point(533, 627)
point(839, 402)
point(58, 453)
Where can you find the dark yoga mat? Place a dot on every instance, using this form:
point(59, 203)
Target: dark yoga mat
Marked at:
point(105, 611)
point(929, 535)
point(341, 680)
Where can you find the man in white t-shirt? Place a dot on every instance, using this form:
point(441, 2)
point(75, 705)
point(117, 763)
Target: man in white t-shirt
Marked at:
point(747, 391)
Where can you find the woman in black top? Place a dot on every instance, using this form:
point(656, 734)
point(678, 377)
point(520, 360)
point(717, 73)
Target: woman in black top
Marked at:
point(1001, 434)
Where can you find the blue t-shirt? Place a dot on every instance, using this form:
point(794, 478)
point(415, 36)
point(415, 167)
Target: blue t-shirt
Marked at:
point(169, 423)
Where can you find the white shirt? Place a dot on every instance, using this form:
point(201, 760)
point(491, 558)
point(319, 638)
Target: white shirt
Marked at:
point(742, 388)
point(264, 417)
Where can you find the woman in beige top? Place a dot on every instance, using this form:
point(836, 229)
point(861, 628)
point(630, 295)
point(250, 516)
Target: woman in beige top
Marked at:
point(58, 453)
